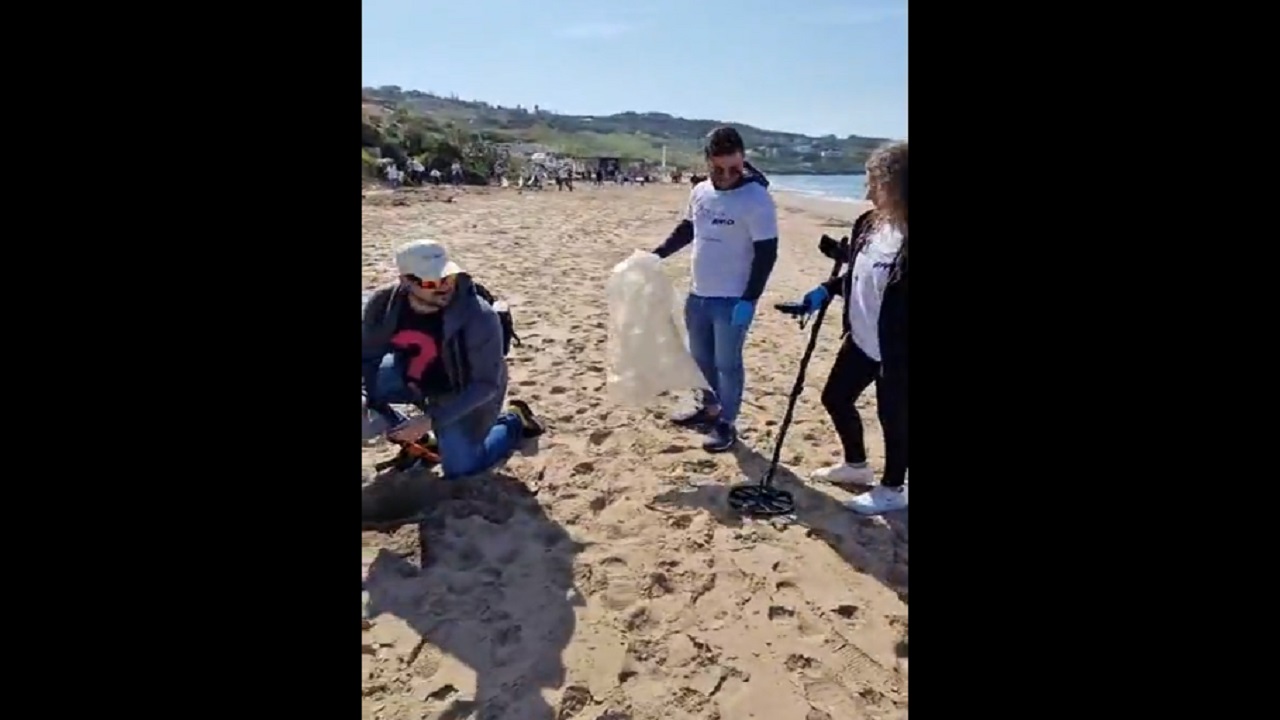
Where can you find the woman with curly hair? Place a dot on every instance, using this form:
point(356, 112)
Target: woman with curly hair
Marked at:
point(874, 346)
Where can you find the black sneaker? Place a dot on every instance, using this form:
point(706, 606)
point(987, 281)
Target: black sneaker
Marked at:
point(529, 425)
point(699, 418)
point(720, 438)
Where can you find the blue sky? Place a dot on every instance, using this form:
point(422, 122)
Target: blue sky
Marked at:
point(815, 66)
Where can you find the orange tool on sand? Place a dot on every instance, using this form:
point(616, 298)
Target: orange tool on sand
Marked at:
point(410, 453)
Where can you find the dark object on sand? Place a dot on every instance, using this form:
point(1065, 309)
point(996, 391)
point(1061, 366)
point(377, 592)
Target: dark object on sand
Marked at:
point(833, 249)
point(761, 498)
point(795, 309)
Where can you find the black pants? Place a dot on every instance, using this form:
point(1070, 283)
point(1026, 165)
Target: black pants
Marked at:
point(852, 372)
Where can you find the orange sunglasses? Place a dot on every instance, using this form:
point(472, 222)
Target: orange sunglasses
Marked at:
point(440, 284)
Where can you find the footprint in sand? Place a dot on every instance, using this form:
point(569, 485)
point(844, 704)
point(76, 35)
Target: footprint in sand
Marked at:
point(505, 644)
point(700, 465)
point(574, 699)
point(637, 620)
point(617, 588)
point(680, 522)
point(657, 585)
point(797, 662)
point(789, 607)
point(681, 651)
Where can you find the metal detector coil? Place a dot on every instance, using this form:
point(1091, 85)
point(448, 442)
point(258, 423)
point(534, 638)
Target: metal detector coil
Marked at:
point(761, 498)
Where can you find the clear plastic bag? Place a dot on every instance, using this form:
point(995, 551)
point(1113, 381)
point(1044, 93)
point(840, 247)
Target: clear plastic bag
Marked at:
point(648, 343)
point(373, 424)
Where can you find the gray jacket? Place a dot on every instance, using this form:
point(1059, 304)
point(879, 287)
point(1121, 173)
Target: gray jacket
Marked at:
point(471, 353)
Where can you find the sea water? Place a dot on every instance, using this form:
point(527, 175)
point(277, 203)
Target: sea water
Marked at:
point(844, 188)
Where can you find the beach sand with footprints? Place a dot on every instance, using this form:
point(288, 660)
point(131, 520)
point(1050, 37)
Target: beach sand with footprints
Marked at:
point(599, 573)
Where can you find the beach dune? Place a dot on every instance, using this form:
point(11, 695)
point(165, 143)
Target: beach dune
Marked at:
point(599, 574)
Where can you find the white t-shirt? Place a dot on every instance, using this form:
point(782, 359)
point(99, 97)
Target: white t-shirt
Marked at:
point(726, 226)
point(871, 270)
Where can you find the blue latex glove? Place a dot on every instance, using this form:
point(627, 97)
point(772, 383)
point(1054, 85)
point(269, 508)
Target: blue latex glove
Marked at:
point(814, 299)
point(743, 312)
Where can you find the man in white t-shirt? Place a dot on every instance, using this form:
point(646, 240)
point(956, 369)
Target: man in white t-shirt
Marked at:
point(732, 223)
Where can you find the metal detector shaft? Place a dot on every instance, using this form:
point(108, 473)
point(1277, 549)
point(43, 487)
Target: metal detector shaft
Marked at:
point(798, 388)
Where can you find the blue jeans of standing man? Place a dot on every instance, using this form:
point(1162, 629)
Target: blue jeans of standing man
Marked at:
point(716, 346)
point(459, 454)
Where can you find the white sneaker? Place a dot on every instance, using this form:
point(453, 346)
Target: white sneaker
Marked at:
point(846, 474)
point(879, 500)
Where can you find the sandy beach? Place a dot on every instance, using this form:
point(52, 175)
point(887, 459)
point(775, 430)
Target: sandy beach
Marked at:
point(599, 573)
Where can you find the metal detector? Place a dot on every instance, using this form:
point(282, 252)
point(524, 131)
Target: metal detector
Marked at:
point(761, 498)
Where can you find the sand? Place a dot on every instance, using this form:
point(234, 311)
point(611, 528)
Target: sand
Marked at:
point(598, 574)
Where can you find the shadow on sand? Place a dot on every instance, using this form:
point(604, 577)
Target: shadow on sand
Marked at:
point(875, 546)
point(494, 589)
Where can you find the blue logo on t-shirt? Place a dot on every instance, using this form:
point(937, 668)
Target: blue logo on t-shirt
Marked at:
point(722, 221)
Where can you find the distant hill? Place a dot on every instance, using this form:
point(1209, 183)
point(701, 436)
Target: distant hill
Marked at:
point(390, 113)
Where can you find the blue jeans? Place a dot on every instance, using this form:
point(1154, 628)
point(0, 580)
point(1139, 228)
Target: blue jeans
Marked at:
point(459, 454)
point(716, 346)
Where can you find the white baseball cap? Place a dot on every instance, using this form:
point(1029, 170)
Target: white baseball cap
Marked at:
point(426, 260)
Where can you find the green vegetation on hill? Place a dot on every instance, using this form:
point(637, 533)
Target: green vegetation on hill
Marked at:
point(399, 133)
point(440, 130)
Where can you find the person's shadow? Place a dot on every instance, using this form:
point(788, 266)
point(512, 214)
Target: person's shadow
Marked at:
point(494, 589)
point(875, 546)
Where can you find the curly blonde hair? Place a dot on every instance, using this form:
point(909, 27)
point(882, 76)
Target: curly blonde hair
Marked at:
point(887, 172)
